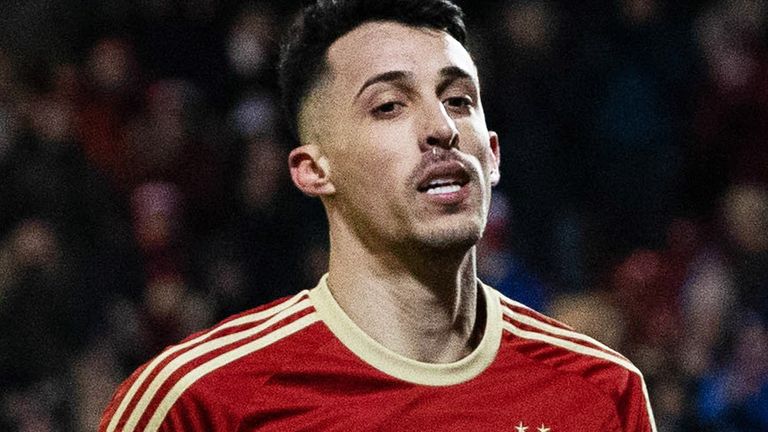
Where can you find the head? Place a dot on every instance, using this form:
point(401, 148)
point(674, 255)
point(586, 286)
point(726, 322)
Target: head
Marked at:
point(385, 101)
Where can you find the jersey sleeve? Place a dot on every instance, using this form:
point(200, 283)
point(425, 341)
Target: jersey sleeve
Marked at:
point(112, 418)
point(194, 413)
point(634, 407)
point(190, 412)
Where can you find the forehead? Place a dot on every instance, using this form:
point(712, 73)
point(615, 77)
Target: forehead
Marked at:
point(382, 46)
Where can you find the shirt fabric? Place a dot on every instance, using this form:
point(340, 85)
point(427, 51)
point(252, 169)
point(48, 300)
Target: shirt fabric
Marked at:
point(300, 363)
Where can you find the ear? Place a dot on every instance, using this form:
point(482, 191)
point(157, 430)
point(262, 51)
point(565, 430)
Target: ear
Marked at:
point(495, 150)
point(310, 171)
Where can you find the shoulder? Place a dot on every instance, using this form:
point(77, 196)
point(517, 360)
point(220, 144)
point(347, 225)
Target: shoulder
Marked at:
point(149, 398)
point(555, 345)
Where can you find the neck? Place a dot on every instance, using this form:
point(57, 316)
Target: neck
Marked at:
point(421, 304)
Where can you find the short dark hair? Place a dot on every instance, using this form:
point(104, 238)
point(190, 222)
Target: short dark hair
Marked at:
point(322, 22)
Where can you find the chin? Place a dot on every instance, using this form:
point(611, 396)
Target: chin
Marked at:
point(452, 236)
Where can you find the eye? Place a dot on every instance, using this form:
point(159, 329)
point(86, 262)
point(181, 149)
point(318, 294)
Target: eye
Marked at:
point(460, 104)
point(388, 110)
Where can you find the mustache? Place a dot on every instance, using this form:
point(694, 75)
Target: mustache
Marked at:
point(437, 156)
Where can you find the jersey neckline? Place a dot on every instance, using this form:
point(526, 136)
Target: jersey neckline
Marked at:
point(398, 366)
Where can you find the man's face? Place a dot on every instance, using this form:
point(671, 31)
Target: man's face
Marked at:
point(399, 121)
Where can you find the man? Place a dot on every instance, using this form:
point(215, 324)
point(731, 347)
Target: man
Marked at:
point(400, 335)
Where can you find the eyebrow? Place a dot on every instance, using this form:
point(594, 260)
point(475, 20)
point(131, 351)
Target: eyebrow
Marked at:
point(449, 74)
point(383, 77)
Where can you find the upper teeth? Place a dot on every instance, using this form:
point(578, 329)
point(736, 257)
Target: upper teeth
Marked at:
point(434, 190)
point(439, 182)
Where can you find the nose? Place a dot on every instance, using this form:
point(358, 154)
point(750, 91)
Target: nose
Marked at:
point(439, 129)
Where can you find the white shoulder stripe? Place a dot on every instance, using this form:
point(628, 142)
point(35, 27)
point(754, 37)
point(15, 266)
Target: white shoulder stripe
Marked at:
point(257, 316)
point(201, 350)
point(190, 378)
point(533, 322)
point(581, 349)
point(549, 328)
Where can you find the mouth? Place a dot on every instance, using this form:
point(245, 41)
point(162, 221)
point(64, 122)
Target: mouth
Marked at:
point(444, 179)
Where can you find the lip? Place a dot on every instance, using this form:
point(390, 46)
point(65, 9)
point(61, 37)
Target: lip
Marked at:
point(450, 198)
point(450, 170)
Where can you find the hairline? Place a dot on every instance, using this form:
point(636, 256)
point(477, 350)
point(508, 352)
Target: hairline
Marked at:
point(322, 72)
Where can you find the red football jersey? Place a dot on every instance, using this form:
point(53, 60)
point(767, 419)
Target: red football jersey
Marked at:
point(301, 364)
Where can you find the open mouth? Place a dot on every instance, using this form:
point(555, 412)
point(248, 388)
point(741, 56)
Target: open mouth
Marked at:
point(444, 179)
point(443, 186)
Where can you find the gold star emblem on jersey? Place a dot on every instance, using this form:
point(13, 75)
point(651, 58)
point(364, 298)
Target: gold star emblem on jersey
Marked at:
point(521, 427)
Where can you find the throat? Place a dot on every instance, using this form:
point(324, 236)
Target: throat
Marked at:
point(413, 319)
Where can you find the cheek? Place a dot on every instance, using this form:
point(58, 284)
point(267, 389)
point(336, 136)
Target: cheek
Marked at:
point(388, 151)
point(373, 165)
point(489, 162)
point(477, 143)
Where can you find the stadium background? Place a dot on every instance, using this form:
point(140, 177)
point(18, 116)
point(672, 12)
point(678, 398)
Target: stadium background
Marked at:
point(144, 191)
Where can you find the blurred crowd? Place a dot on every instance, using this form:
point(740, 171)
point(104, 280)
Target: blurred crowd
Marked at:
point(144, 191)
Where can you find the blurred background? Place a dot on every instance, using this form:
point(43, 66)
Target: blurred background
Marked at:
point(144, 191)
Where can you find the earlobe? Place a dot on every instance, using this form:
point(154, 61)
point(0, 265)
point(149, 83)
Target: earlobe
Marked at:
point(496, 151)
point(310, 171)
